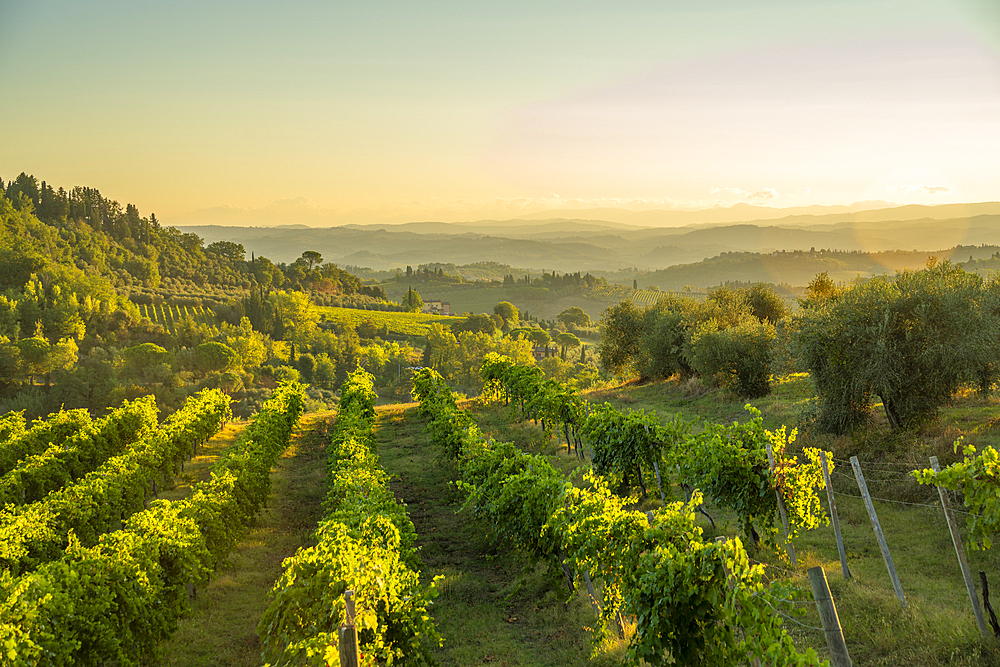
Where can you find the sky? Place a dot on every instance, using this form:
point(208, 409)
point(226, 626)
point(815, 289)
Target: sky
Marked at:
point(323, 112)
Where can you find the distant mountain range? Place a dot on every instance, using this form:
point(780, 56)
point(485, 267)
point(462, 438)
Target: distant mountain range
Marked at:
point(629, 240)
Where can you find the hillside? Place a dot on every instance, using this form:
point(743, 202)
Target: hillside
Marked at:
point(135, 254)
point(599, 245)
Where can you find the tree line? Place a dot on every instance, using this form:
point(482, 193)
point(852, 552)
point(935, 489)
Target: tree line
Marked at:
point(909, 341)
point(133, 251)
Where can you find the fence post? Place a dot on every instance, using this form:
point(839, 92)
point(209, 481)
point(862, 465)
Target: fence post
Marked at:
point(886, 556)
point(839, 657)
point(956, 539)
point(781, 507)
point(833, 515)
point(348, 636)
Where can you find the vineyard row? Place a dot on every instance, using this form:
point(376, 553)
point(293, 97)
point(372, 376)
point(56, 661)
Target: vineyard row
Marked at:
point(365, 544)
point(688, 597)
point(100, 501)
point(113, 603)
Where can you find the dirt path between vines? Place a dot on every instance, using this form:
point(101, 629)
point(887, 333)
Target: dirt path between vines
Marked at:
point(222, 628)
point(488, 613)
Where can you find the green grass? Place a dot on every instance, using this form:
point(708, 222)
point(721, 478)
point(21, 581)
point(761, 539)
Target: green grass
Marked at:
point(539, 302)
point(410, 325)
point(222, 628)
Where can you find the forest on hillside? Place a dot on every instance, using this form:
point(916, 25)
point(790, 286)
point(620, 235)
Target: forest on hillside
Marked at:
point(83, 282)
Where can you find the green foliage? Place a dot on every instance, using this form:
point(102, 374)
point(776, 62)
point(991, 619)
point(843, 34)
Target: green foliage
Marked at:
point(412, 302)
point(728, 339)
point(214, 357)
point(95, 504)
point(729, 464)
point(622, 329)
point(399, 325)
point(508, 311)
point(448, 425)
point(44, 433)
point(365, 543)
point(113, 602)
point(765, 304)
point(574, 317)
point(481, 323)
point(38, 474)
point(738, 358)
point(656, 568)
point(977, 477)
point(624, 444)
point(911, 340)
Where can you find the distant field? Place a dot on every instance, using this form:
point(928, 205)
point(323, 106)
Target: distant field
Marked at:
point(539, 302)
point(400, 324)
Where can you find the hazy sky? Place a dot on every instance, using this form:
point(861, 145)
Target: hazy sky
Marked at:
point(363, 111)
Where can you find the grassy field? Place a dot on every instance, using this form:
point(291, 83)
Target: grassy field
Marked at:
point(410, 325)
point(492, 608)
point(539, 302)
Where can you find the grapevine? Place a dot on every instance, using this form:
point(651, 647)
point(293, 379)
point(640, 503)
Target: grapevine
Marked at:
point(365, 543)
point(656, 568)
point(977, 476)
point(112, 603)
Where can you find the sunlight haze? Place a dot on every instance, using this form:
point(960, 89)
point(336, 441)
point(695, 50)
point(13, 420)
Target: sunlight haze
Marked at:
point(333, 113)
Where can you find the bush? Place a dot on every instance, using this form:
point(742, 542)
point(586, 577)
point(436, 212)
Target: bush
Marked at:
point(738, 358)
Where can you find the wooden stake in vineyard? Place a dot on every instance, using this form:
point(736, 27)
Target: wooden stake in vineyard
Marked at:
point(877, 527)
point(348, 636)
point(839, 657)
point(833, 515)
point(963, 563)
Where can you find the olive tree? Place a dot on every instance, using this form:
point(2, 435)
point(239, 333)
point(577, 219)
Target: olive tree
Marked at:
point(910, 340)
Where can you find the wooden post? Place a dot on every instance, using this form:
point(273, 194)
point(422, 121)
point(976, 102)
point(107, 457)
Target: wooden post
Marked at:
point(839, 657)
point(886, 556)
point(754, 661)
point(348, 636)
point(956, 539)
point(781, 508)
point(833, 516)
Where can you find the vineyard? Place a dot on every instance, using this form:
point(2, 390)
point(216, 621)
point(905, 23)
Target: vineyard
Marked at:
point(169, 315)
point(397, 325)
point(644, 298)
point(571, 547)
point(97, 570)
